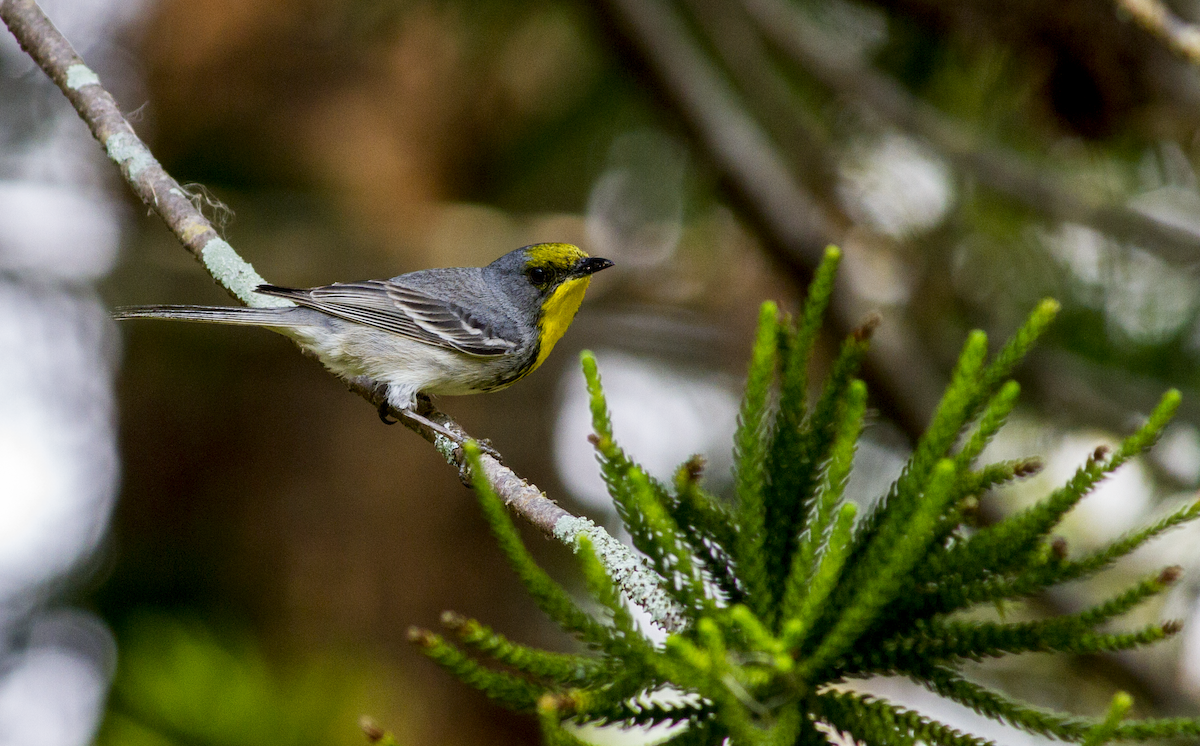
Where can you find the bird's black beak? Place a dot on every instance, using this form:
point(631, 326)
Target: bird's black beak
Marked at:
point(591, 265)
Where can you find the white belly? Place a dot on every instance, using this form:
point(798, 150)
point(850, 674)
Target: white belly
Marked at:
point(405, 365)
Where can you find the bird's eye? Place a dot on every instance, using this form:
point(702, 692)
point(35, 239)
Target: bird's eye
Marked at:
point(539, 276)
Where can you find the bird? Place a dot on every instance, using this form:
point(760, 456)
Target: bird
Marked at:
point(451, 330)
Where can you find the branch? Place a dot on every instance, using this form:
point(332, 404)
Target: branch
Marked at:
point(1181, 37)
point(96, 106)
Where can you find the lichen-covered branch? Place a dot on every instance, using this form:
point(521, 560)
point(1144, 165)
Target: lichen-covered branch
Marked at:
point(96, 106)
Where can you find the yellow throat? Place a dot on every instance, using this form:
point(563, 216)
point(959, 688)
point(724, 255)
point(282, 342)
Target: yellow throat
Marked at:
point(558, 313)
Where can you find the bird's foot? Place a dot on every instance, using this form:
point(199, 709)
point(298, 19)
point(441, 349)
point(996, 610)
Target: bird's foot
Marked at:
point(485, 446)
point(384, 410)
point(457, 438)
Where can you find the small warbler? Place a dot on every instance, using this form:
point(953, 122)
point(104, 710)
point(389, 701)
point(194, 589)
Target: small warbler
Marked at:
point(457, 330)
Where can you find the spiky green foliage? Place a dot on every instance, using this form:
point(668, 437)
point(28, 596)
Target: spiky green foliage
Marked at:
point(786, 594)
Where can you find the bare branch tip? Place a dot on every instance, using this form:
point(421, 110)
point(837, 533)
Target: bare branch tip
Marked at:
point(453, 620)
point(867, 327)
point(1059, 548)
point(422, 637)
point(1028, 468)
point(369, 727)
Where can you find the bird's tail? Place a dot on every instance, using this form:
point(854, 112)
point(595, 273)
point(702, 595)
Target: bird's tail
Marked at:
point(210, 314)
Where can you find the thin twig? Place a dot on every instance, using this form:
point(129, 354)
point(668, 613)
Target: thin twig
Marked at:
point(1182, 38)
point(54, 54)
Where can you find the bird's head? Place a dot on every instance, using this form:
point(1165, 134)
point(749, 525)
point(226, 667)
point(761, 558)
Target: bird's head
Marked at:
point(550, 267)
point(548, 281)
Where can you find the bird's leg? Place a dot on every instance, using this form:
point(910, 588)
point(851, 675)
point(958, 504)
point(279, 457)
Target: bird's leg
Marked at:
point(424, 405)
point(411, 414)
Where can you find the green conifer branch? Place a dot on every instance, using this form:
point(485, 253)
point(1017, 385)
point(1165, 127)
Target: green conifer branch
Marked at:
point(995, 414)
point(971, 486)
point(975, 483)
point(757, 647)
point(628, 642)
point(641, 710)
point(1106, 729)
point(750, 461)
point(563, 669)
point(708, 526)
point(952, 596)
point(615, 467)
point(992, 704)
point(1112, 643)
point(794, 381)
point(794, 484)
point(951, 415)
point(1009, 542)
point(890, 557)
point(1018, 346)
point(507, 689)
point(879, 723)
point(829, 496)
point(932, 641)
point(790, 461)
point(1102, 558)
point(800, 615)
point(1151, 729)
point(682, 579)
point(1131, 597)
point(550, 597)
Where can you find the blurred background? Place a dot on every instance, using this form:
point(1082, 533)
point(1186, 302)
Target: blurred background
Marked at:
point(204, 539)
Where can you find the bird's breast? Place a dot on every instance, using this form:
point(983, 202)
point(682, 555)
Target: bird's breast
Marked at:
point(558, 313)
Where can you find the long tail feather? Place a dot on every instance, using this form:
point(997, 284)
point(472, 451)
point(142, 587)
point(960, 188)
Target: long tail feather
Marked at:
point(210, 314)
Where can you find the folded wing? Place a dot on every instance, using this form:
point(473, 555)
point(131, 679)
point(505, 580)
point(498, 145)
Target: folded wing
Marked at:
point(402, 310)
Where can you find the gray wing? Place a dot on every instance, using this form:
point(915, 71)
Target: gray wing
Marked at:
point(404, 310)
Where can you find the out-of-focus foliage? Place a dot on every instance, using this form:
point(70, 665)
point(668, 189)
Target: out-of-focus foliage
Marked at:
point(180, 683)
point(786, 596)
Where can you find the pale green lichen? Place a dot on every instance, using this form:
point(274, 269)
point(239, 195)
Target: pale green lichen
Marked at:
point(626, 569)
point(237, 275)
point(445, 446)
point(130, 153)
point(80, 75)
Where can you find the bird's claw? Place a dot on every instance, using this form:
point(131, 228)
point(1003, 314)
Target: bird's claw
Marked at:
point(485, 446)
point(384, 411)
